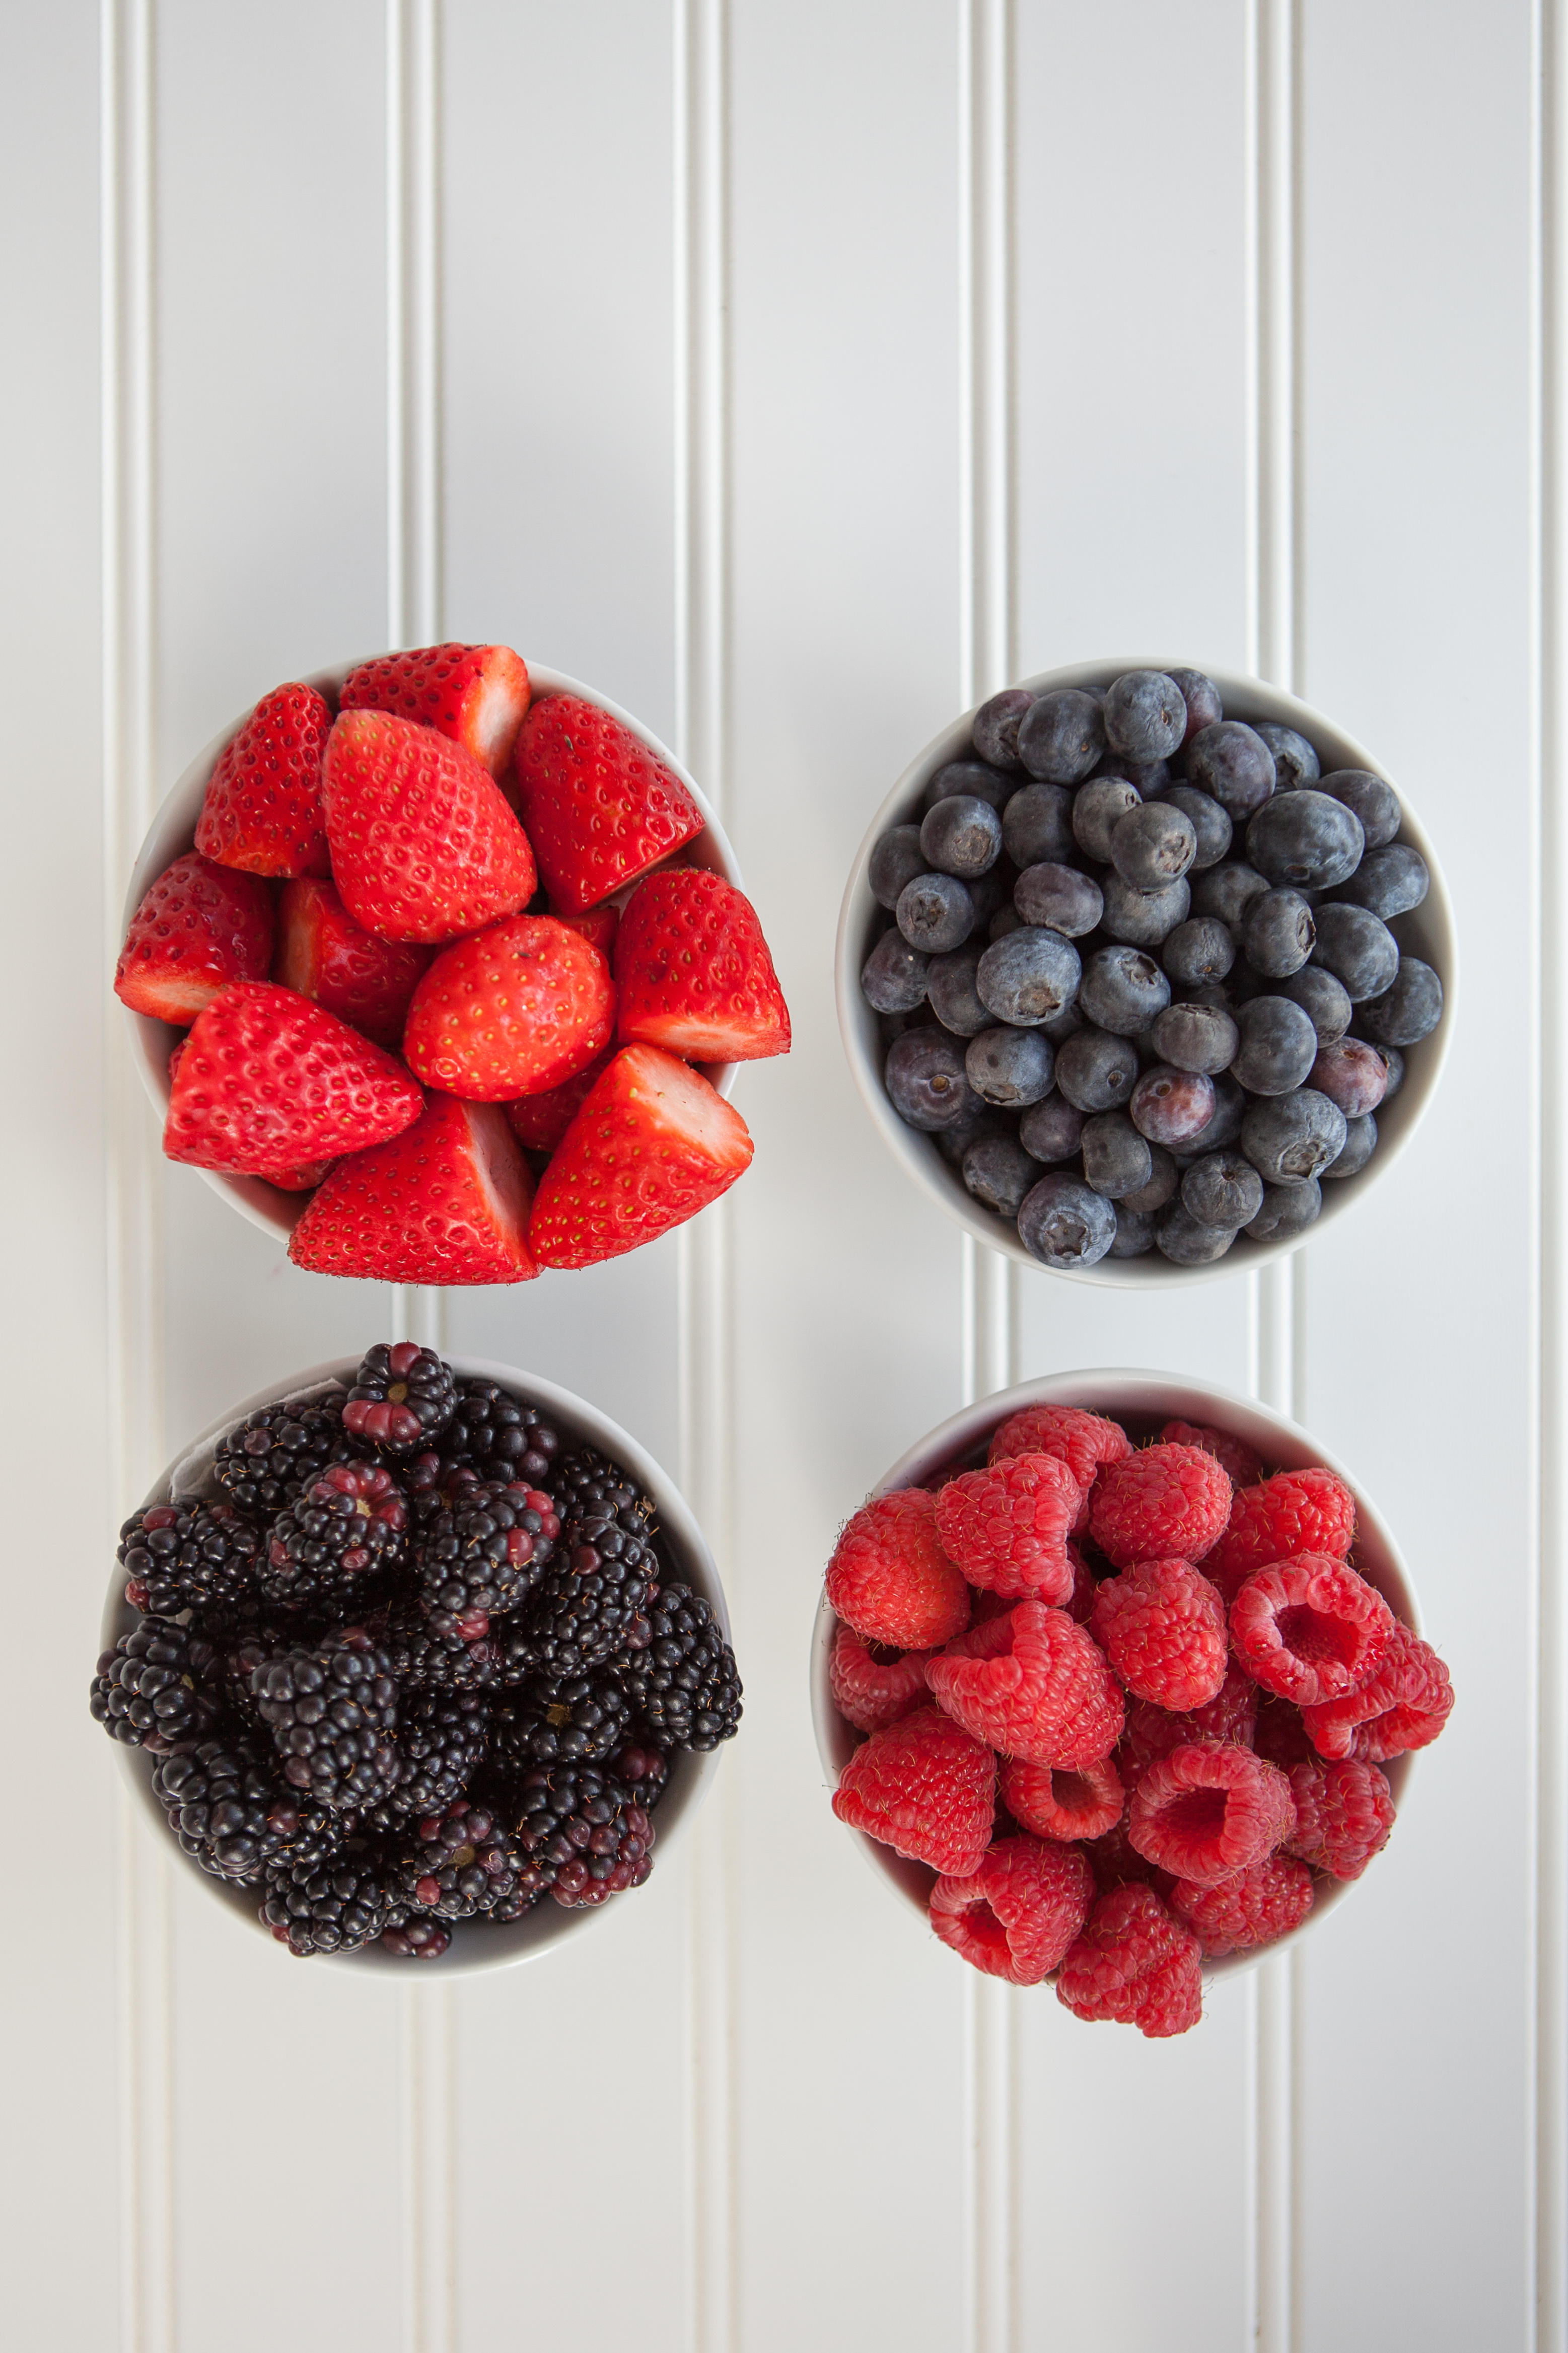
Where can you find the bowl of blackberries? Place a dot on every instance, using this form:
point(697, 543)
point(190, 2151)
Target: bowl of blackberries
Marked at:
point(416, 1660)
point(1145, 973)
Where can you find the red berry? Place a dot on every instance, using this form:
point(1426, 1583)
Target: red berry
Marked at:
point(1136, 1964)
point(325, 956)
point(424, 845)
point(1085, 1586)
point(539, 1122)
point(445, 1202)
point(890, 1577)
point(1007, 1526)
point(924, 1788)
point(1252, 1907)
point(1153, 1732)
point(652, 1144)
point(694, 973)
point(1015, 1916)
point(600, 808)
point(1084, 1442)
point(872, 1692)
point(1032, 1684)
point(1280, 1735)
point(262, 807)
point(1055, 1804)
point(1345, 1812)
point(1309, 1629)
point(1162, 1626)
point(473, 694)
point(1242, 1467)
point(198, 927)
point(1209, 1810)
point(1294, 1512)
point(517, 1009)
point(1164, 1501)
point(1116, 1863)
point(1403, 1705)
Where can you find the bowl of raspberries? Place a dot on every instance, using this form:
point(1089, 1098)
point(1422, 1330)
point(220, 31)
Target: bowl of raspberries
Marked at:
point(439, 971)
point(1120, 1680)
point(1142, 972)
point(416, 1660)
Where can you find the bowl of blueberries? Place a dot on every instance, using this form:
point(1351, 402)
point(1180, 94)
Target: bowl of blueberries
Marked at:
point(1143, 973)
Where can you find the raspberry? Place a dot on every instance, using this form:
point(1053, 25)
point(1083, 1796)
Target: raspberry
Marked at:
point(1280, 1735)
point(1006, 1527)
point(1403, 1705)
point(1116, 1863)
point(1058, 1805)
point(1082, 1441)
point(1015, 1916)
point(1207, 1810)
point(1032, 1684)
point(1294, 1512)
point(1162, 1626)
point(1154, 1732)
point(1252, 1907)
point(1085, 1586)
point(1136, 1964)
point(890, 1577)
point(925, 1789)
point(873, 1692)
point(1309, 1629)
point(1242, 1467)
point(1345, 1812)
point(1164, 1501)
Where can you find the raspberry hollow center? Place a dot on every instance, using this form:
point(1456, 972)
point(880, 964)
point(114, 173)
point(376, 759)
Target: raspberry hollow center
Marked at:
point(1318, 1639)
point(984, 1928)
point(1197, 1814)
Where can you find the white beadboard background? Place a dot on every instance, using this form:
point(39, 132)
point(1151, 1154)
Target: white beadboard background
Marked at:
point(797, 373)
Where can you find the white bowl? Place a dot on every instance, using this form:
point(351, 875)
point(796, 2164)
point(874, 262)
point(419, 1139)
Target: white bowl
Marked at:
point(1428, 932)
point(1157, 1398)
point(474, 1946)
point(173, 831)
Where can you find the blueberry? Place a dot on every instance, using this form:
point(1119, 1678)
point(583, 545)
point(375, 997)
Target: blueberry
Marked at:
point(1144, 715)
point(993, 890)
point(1122, 989)
point(995, 730)
point(1059, 897)
point(1352, 1074)
point(1222, 1189)
point(1095, 1070)
point(1097, 809)
point(1179, 1237)
point(1375, 803)
point(1195, 1038)
point(1143, 918)
point(961, 836)
point(897, 859)
point(1232, 761)
point(1394, 1061)
point(1197, 952)
point(1163, 1183)
point(1062, 736)
point(1134, 1231)
point(1227, 891)
point(1288, 1211)
point(950, 985)
point(1028, 976)
point(935, 913)
point(1051, 1129)
point(1066, 1224)
point(1294, 762)
point(1276, 934)
point(1210, 824)
point(1388, 882)
point(952, 1142)
point(1409, 1010)
point(1202, 698)
point(1116, 1160)
point(1360, 952)
point(1361, 1143)
point(1230, 1107)
point(897, 1025)
point(1288, 1138)
point(999, 1172)
point(925, 1081)
point(1322, 999)
point(1278, 1046)
point(893, 978)
point(1037, 825)
point(1170, 1107)
point(1011, 1067)
point(1150, 780)
point(1306, 838)
point(969, 779)
point(1153, 845)
point(1007, 919)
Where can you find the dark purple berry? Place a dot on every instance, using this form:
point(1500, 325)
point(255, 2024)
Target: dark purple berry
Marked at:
point(997, 723)
point(935, 913)
point(1062, 736)
point(1375, 803)
point(1288, 1138)
point(1066, 1224)
point(1232, 761)
point(1051, 1130)
point(1121, 990)
point(1059, 898)
point(1010, 1067)
point(1037, 825)
point(962, 836)
point(893, 978)
point(1144, 715)
point(1116, 1160)
point(897, 859)
point(1294, 762)
point(1277, 933)
point(1409, 1010)
point(1277, 1046)
point(1202, 698)
point(1028, 976)
point(1362, 953)
point(1097, 809)
point(1170, 1107)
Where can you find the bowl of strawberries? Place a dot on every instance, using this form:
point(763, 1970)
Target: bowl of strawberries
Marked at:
point(1120, 1680)
point(439, 970)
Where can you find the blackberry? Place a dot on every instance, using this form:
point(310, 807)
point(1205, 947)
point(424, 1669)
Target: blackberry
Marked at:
point(481, 1554)
point(343, 1525)
point(685, 1687)
point(418, 1938)
point(157, 1686)
point(199, 1556)
point(263, 1464)
point(441, 1738)
point(588, 1481)
point(460, 1864)
point(253, 1645)
point(332, 1716)
point(499, 1436)
point(553, 1724)
point(403, 1397)
point(582, 1834)
point(232, 1814)
point(643, 1768)
point(593, 1603)
point(421, 1660)
point(333, 1906)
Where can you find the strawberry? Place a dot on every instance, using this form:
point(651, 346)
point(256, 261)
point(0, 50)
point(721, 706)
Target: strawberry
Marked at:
point(517, 1009)
point(324, 954)
point(263, 805)
point(694, 972)
point(598, 927)
point(446, 1201)
point(269, 1082)
point(198, 927)
point(424, 846)
point(653, 1144)
point(539, 1122)
point(300, 1180)
point(599, 807)
point(473, 694)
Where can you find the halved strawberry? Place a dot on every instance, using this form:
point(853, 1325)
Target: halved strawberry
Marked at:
point(268, 1083)
point(539, 1122)
point(519, 1007)
point(599, 808)
point(694, 972)
point(199, 927)
point(475, 694)
point(445, 1202)
point(424, 846)
point(263, 805)
point(652, 1144)
point(324, 954)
